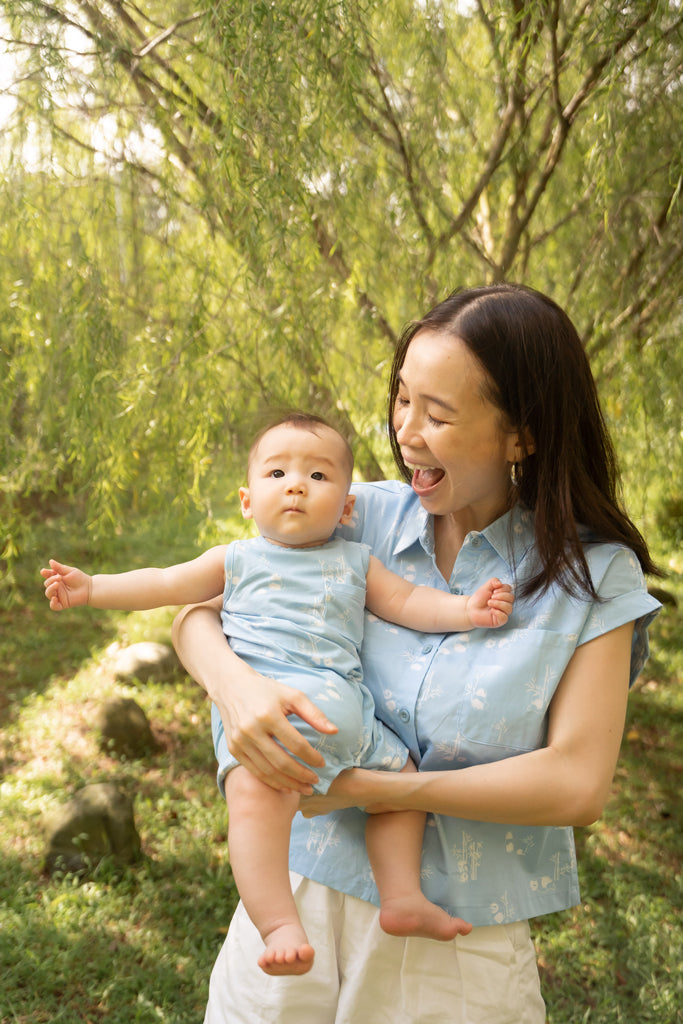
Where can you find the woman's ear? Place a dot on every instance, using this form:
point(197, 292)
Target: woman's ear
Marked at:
point(245, 503)
point(529, 443)
point(345, 517)
point(522, 445)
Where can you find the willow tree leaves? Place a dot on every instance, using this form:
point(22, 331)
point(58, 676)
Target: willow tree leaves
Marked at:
point(210, 210)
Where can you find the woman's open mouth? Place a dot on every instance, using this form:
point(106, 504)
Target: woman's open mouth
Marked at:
point(426, 478)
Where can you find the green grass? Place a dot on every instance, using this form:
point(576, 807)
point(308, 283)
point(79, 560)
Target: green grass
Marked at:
point(128, 945)
point(617, 959)
point(137, 945)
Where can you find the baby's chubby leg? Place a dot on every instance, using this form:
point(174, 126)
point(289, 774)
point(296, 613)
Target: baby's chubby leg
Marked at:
point(259, 826)
point(394, 844)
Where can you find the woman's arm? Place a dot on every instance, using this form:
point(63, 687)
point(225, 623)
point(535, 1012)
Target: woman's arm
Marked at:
point(253, 708)
point(564, 783)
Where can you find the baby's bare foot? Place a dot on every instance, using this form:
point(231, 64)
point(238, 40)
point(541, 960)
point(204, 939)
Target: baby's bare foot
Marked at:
point(287, 951)
point(415, 915)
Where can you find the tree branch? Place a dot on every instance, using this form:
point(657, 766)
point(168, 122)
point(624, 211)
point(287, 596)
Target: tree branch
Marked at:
point(564, 120)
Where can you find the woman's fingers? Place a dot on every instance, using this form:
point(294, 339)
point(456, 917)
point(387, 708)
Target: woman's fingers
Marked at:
point(267, 743)
point(260, 735)
point(298, 745)
point(274, 766)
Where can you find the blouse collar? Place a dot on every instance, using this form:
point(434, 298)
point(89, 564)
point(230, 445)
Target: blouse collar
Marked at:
point(510, 536)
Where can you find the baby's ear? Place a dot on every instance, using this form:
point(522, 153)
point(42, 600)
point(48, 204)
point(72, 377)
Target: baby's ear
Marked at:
point(346, 515)
point(245, 503)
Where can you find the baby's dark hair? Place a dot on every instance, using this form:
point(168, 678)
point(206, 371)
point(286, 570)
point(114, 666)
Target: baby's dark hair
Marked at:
point(303, 421)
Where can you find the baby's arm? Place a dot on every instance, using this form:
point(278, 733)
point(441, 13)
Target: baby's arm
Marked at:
point(431, 610)
point(187, 583)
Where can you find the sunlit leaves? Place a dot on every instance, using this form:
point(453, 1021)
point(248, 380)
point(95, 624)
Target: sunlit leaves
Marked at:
point(217, 210)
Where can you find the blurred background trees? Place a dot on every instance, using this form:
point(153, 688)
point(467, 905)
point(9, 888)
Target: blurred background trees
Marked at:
point(208, 209)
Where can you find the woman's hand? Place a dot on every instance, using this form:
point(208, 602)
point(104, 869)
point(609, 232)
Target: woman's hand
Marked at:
point(312, 806)
point(359, 787)
point(255, 718)
point(253, 708)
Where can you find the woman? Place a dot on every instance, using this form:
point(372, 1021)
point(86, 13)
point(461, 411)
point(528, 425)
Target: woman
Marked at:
point(495, 422)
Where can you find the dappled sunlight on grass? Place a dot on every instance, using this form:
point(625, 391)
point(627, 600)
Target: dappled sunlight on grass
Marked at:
point(142, 937)
point(616, 958)
point(137, 944)
point(133, 944)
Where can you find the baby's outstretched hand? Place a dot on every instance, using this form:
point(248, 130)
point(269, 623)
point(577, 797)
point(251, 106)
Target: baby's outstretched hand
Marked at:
point(490, 605)
point(65, 586)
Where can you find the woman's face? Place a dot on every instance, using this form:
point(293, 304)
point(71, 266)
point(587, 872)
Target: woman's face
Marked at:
point(453, 438)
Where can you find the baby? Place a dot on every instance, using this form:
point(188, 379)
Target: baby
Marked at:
point(293, 607)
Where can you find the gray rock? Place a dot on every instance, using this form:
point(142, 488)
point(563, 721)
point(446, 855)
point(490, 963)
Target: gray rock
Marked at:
point(97, 822)
point(145, 661)
point(124, 729)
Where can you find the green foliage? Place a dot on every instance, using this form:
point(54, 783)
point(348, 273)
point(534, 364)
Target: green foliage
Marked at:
point(615, 958)
point(205, 212)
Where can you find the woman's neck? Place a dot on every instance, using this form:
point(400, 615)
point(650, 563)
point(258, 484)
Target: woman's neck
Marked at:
point(449, 536)
point(448, 539)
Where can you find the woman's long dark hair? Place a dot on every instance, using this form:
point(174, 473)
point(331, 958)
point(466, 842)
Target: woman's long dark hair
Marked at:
point(538, 375)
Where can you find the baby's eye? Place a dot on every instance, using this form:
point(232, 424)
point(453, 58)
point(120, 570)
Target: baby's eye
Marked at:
point(317, 476)
point(278, 473)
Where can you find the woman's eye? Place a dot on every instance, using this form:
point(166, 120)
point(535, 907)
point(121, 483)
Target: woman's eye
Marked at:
point(434, 422)
point(401, 401)
point(317, 476)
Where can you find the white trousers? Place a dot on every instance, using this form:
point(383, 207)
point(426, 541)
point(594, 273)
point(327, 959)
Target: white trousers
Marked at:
point(363, 976)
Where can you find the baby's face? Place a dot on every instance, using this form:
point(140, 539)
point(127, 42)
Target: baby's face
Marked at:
point(298, 485)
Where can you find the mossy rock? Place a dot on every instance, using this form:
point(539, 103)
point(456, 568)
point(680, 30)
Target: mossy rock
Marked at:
point(97, 822)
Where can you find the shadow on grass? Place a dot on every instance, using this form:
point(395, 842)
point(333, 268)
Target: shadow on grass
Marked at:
point(616, 959)
point(136, 946)
point(37, 645)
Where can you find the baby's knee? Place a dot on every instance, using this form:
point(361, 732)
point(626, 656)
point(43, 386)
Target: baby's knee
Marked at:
point(241, 785)
point(250, 799)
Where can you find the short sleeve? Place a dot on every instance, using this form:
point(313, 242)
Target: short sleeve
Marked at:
point(623, 598)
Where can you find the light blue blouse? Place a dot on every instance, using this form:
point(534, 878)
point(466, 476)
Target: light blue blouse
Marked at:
point(468, 698)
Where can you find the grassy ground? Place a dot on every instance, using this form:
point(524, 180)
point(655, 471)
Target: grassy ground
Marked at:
point(137, 945)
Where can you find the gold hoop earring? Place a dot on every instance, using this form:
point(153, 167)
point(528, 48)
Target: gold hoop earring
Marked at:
point(516, 474)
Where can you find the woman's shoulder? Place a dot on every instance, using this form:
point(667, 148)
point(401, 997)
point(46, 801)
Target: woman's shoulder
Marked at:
point(382, 508)
point(614, 567)
point(382, 497)
point(380, 487)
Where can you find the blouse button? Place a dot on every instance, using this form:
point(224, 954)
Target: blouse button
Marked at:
point(456, 590)
point(476, 541)
point(404, 715)
point(428, 648)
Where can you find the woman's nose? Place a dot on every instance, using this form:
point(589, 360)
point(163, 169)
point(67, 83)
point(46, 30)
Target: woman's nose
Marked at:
point(406, 427)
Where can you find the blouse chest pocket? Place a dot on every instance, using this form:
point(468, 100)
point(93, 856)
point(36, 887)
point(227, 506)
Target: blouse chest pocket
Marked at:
point(487, 700)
